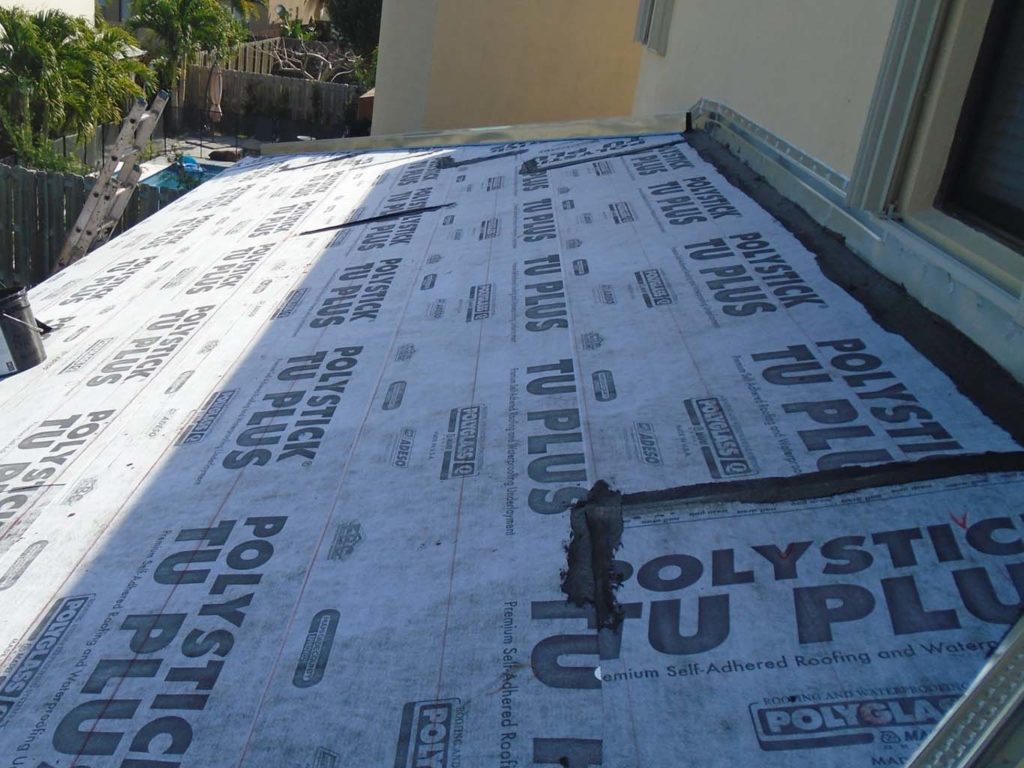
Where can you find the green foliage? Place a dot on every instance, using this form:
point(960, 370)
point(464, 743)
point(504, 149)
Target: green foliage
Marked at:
point(59, 75)
point(293, 27)
point(364, 72)
point(151, 150)
point(247, 9)
point(357, 22)
point(176, 30)
point(38, 152)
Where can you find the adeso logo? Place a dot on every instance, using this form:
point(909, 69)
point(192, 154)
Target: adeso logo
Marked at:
point(842, 723)
point(720, 444)
point(425, 740)
point(402, 452)
point(647, 442)
point(462, 443)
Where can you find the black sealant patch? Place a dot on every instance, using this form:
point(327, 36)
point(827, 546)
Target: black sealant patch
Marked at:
point(446, 162)
point(382, 217)
point(590, 578)
point(831, 482)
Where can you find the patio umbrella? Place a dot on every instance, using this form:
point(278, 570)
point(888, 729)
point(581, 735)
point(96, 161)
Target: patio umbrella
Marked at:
point(215, 91)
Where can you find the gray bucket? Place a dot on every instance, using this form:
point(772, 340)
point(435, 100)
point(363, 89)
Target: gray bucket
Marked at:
point(21, 342)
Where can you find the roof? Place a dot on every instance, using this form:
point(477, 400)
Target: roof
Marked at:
point(294, 483)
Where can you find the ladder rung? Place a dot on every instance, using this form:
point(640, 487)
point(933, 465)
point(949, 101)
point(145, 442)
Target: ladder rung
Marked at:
point(116, 180)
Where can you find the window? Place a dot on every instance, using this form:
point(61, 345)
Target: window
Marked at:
point(984, 179)
point(942, 148)
point(653, 19)
point(114, 11)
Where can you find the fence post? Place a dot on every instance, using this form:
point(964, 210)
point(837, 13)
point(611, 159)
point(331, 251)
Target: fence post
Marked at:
point(55, 224)
point(24, 213)
point(75, 194)
point(41, 233)
point(6, 214)
point(39, 230)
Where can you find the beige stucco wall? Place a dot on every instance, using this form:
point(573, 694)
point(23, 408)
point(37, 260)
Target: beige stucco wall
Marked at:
point(803, 69)
point(403, 65)
point(467, 63)
point(84, 8)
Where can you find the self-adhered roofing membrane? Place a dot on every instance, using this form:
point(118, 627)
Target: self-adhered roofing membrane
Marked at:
point(292, 485)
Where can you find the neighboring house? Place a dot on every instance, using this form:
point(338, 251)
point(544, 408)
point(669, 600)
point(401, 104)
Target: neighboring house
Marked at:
point(267, 23)
point(84, 8)
point(463, 63)
point(114, 11)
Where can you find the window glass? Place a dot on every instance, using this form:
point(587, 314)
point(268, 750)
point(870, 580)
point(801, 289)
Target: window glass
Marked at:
point(984, 181)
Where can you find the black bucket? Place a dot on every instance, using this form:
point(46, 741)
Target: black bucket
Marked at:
point(21, 343)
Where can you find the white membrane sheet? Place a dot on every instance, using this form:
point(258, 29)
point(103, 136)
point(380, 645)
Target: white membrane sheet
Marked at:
point(279, 498)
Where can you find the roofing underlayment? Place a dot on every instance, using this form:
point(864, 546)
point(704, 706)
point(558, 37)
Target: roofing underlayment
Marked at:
point(292, 487)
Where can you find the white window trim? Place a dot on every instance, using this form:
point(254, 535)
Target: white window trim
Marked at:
point(653, 21)
point(913, 38)
point(909, 130)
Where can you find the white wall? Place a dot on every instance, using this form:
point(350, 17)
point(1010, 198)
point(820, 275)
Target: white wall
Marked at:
point(803, 69)
point(84, 8)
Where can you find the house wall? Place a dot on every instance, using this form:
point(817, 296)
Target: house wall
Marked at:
point(803, 69)
point(806, 71)
point(464, 63)
point(403, 65)
point(84, 8)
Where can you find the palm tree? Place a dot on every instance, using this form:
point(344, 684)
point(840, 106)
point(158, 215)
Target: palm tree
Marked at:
point(177, 31)
point(59, 75)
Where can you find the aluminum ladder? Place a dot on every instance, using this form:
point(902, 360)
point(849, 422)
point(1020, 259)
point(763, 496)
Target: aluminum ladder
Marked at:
point(116, 181)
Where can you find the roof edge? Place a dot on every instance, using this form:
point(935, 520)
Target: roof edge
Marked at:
point(496, 134)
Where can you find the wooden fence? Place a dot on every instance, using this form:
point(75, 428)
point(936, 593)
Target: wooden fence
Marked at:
point(37, 208)
point(261, 57)
point(252, 94)
point(256, 58)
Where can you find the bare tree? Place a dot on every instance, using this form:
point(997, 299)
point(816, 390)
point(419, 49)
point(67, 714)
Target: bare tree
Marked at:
point(312, 60)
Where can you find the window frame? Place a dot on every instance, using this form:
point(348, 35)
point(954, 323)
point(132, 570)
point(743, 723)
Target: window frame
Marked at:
point(653, 21)
point(905, 147)
point(979, 93)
